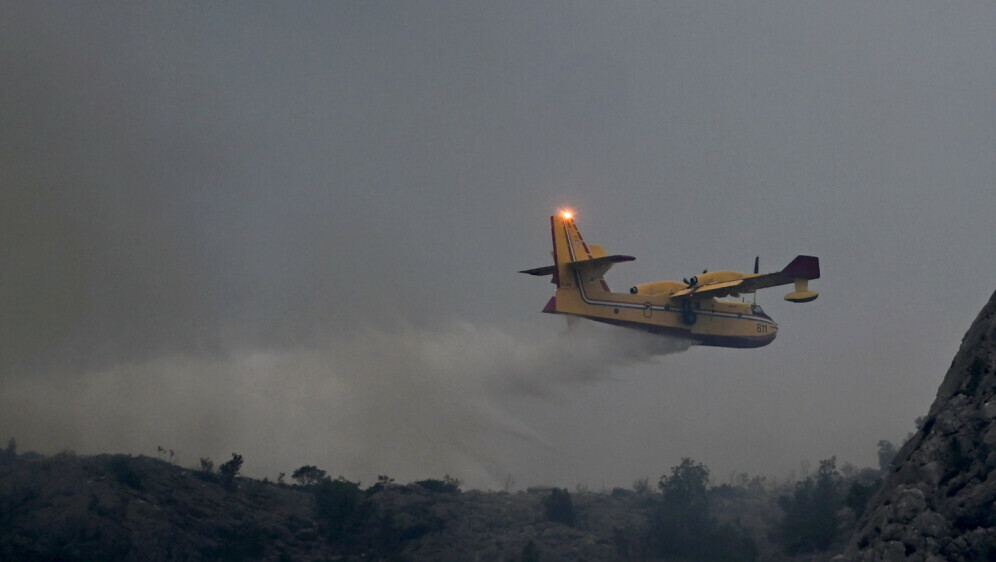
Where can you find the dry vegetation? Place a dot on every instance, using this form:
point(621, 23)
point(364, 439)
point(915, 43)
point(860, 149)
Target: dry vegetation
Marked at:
point(116, 507)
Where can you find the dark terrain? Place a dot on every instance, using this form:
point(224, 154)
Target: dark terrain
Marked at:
point(116, 507)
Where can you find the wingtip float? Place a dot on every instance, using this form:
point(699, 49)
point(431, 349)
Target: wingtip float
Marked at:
point(689, 309)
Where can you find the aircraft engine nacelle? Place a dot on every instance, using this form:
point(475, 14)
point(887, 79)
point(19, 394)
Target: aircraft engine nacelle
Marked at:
point(802, 292)
point(657, 288)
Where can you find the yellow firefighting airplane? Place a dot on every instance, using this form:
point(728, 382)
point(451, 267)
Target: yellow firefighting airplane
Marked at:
point(688, 309)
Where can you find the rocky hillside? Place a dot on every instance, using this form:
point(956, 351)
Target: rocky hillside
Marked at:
point(939, 500)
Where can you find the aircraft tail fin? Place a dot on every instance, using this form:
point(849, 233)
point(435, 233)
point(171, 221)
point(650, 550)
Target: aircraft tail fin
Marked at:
point(803, 267)
point(577, 261)
point(578, 269)
point(572, 254)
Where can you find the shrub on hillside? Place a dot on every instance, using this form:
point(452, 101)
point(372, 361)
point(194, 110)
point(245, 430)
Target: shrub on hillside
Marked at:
point(230, 470)
point(308, 475)
point(810, 521)
point(858, 495)
point(383, 483)
point(339, 507)
point(886, 453)
point(681, 525)
point(125, 472)
point(558, 507)
point(448, 485)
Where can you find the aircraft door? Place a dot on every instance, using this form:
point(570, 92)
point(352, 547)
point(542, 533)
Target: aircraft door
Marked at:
point(688, 316)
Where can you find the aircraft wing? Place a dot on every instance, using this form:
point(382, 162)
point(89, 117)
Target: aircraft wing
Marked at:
point(716, 290)
point(802, 268)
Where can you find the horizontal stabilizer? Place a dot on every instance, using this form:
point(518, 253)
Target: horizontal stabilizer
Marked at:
point(602, 262)
point(548, 270)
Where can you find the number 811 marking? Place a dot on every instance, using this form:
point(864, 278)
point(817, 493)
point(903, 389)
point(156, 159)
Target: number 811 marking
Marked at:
point(762, 328)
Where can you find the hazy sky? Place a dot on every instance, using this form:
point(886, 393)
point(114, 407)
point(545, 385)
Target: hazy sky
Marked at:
point(292, 231)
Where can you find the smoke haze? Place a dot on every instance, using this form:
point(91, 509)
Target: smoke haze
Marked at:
point(413, 404)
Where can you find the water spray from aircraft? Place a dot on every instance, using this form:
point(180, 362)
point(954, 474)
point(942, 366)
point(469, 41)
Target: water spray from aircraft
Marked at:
point(412, 403)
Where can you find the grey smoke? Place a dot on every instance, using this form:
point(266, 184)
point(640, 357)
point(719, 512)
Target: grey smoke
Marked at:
point(411, 404)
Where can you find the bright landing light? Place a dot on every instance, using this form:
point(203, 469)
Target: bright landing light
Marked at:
point(567, 215)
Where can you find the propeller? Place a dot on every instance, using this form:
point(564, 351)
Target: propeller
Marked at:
point(757, 263)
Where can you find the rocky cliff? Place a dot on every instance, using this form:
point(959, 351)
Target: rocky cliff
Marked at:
point(938, 501)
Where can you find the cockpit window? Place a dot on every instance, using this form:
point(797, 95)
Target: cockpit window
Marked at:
point(756, 309)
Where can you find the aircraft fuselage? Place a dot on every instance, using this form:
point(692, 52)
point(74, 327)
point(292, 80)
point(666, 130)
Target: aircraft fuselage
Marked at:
point(707, 322)
point(692, 309)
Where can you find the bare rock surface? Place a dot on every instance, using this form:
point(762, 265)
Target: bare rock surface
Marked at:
point(938, 501)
